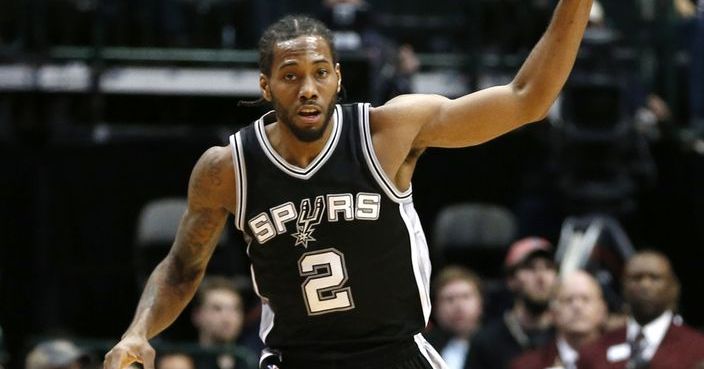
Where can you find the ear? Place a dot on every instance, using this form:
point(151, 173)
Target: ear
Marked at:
point(512, 282)
point(339, 76)
point(264, 87)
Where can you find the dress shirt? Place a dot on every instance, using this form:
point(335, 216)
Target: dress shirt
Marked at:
point(455, 353)
point(653, 332)
point(568, 355)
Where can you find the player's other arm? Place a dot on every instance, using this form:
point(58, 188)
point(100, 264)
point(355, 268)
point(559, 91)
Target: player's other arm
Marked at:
point(435, 121)
point(174, 281)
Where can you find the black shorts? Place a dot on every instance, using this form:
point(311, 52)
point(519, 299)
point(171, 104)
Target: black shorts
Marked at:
point(414, 353)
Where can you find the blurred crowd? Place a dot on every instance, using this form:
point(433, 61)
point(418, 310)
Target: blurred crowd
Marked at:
point(554, 316)
point(561, 317)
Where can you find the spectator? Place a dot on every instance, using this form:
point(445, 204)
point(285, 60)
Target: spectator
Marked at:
point(218, 316)
point(579, 312)
point(175, 360)
point(531, 277)
point(56, 354)
point(458, 311)
point(654, 337)
point(401, 80)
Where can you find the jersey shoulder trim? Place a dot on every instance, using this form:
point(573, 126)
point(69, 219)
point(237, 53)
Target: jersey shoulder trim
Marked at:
point(375, 167)
point(240, 179)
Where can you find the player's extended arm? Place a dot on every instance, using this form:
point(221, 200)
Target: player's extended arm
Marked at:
point(173, 282)
point(483, 115)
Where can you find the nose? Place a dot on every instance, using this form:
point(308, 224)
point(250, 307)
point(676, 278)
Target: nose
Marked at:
point(645, 283)
point(308, 90)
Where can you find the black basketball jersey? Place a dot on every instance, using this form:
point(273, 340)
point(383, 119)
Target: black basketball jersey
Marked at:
point(338, 254)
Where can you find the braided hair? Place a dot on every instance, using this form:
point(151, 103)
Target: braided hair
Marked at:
point(287, 28)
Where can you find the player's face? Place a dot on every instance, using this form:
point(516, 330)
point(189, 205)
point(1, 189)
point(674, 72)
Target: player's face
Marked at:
point(303, 86)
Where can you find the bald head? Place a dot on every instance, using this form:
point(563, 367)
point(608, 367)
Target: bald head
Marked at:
point(578, 307)
point(649, 286)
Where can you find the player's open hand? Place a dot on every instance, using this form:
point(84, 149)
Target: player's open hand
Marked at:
point(132, 349)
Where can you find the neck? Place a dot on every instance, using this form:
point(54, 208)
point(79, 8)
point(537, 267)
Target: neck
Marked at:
point(644, 319)
point(464, 336)
point(206, 341)
point(528, 320)
point(293, 150)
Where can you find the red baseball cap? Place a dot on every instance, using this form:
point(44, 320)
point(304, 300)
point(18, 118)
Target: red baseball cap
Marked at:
point(521, 250)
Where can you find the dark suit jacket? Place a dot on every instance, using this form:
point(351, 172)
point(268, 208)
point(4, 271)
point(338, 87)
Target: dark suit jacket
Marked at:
point(494, 347)
point(540, 358)
point(681, 348)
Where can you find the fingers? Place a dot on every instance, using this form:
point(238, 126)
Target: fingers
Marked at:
point(148, 354)
point(121, 358)
point(118, 358)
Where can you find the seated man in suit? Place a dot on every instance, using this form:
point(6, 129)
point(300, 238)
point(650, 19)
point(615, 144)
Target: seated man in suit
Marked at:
point(654, 338)
point(579, 313)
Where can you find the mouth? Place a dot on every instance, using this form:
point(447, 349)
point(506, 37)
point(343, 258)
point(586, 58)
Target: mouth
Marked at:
point(310, 113)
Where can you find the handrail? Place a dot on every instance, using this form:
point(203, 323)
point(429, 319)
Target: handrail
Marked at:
point(250, 56)
point(156, 54)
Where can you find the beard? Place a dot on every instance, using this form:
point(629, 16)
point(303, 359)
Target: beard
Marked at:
point(534, 306)
point(286, 116)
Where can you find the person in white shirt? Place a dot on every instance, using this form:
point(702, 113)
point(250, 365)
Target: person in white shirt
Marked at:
point(651, 290)
point(654, 337)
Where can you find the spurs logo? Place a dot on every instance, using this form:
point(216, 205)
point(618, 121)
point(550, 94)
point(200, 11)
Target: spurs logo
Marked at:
point(334, 208)
point(309, 216)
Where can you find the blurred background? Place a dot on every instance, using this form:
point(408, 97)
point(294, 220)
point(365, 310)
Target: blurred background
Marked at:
point(105, 105)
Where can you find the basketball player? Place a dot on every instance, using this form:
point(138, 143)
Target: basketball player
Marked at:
point(322, 192)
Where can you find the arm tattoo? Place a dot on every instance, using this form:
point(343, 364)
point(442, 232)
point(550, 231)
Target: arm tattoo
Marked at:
point(194, 247)
point(202, 222)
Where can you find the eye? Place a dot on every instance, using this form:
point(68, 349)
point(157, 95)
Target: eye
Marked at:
point(289, 76)
point(322, 73)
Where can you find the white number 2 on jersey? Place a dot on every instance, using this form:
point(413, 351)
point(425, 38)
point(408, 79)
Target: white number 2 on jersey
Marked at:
point(323, 290)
